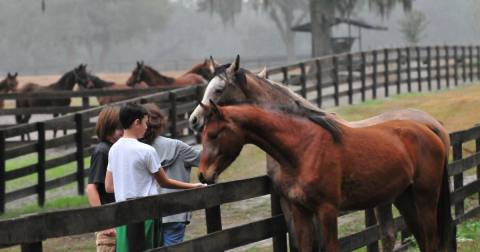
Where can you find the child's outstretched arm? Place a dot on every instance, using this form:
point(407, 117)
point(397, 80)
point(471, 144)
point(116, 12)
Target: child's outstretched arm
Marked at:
point(109, 182)
point(165, 182)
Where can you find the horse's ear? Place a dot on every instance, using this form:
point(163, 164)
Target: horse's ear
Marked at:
point(85, 66)
point(214, 63)
point(143, 63)
point(9, 76)
point(263, 73)
point(16, 74)
point(235, 65)
point(215, 109)
point(206, 107)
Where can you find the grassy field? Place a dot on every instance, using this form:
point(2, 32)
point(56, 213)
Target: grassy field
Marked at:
point(456, 108)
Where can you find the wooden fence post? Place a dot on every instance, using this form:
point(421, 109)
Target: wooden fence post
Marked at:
point(464, 66)
point(31, 247)
point(470, 56)
point(279, 241)
point(303, 81)
point(399, 70)
point(447, 65)
point(85, 102)
point(370, 220)
point(409, 74)
point(455, 72)
point(136, 237)
point(374, 77)
point(350, 78)
point(429, 66)
point(478, 62)
point(477, 149)
point(172, 117)
point(363, 73)
point(285, 75)
point(318, 63)
point(335, 79)
point(200, 90)
point(79, 155)
point(41, 166)
point(437, 59)
point(385, 61)
point(419, 70)
point(458, 179)
point(3, 167)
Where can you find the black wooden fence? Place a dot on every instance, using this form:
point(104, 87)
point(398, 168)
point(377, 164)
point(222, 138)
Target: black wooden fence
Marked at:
point(326, 81)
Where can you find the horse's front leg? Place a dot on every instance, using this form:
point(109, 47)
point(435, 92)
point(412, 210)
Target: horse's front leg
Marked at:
point(388, 231)
point(287, 213)
point(328, 214)
point(304, 226)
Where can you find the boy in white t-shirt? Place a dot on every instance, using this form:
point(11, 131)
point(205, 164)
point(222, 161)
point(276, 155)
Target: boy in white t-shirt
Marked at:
point(133, 168)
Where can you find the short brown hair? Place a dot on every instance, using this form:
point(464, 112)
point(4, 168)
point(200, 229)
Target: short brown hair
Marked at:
point(108, 121)
point(155, 125)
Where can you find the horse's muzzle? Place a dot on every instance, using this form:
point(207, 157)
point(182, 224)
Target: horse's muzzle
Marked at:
point(203, 180)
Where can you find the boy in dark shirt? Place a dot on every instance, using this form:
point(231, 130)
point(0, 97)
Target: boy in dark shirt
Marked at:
point(108, 130)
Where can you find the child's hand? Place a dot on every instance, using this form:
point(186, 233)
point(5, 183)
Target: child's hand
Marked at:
point(200, 185)
point(110, 232)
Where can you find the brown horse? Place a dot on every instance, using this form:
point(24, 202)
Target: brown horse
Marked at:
point(65, 83)
point(154, 79)
point(327, 167)
point(9, 84)
point(202, 68)
point(232, 83)
point(97, 83)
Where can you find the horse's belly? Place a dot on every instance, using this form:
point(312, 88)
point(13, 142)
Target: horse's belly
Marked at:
point(373, 188)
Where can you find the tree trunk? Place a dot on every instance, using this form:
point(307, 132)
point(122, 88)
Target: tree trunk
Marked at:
point(321, 15)
point(290, 45)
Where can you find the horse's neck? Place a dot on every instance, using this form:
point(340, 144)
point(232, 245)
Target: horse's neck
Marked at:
point(278, 134)
point(99, 83)
point(67, 82)
point(154, 80)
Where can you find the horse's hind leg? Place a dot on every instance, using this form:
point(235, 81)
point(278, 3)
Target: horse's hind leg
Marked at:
point(406, 206)
point(64, 128)
point(388, 231)
point(426, 202)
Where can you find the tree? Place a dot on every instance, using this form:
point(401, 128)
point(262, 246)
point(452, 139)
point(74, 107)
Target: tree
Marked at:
point(284, 13)
point(413, 27)
point(322, 13)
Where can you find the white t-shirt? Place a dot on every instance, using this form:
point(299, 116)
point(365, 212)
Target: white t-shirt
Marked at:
point(132, 164)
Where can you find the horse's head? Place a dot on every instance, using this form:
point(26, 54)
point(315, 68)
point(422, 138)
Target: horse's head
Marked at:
point(12, 81)
point(137, 75)
point(82, 78)
point(222, 143)
point(227, 85)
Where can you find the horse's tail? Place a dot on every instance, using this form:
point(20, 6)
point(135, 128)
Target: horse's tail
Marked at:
point(445, 225)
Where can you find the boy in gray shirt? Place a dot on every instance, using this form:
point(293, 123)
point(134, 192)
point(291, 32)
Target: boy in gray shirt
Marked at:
point(177, 159)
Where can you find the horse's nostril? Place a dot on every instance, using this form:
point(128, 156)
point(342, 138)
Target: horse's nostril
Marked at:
point(201, 178)
point(194, 120)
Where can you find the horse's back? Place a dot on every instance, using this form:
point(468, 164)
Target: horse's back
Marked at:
point(189, 79)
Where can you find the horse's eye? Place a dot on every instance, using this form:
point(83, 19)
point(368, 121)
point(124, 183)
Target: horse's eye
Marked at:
point(213, 136)
point(219, 91)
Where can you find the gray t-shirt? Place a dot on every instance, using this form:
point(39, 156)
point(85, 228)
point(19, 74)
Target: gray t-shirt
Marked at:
point(177, 159)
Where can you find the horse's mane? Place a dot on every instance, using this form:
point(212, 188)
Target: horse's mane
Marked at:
point(317, 117)
point(167, 79)
point(241, 78)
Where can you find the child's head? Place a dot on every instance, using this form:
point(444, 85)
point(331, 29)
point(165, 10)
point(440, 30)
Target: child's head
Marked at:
point(133, 118)
point(108, 126)
point(156, 123)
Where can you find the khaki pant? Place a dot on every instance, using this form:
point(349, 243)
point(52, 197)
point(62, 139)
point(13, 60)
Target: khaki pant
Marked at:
point(105, 243)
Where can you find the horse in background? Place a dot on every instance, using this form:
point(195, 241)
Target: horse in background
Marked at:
point(97, 83)
point(232, 83)
point(9, 84)
point(65, 83)
point(154, 79)
point(328, 167)
point(202, 68)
